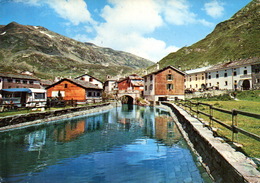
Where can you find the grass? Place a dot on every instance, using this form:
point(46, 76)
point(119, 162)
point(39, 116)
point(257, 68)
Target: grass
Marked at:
point(25, 111)
point(249, 101)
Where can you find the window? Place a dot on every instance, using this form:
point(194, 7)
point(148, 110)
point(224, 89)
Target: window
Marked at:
point(151, 87)
point(196, 85)
point(39, 95)
point(202, 78)
point(169, 77)
point(145, 79)
point(98, 94)
point(89, 94)
point(65, 85)
point(258, 81)
point(226, 83)
point(190, 79)
point(24, 82)
point(145, 88)
point(245, 72)
point(151, 77)
point(196, 78)
point(90, 79)
point(17, 81)
point(209, 76)
point(31, 82)
point(234, 73)
point(217, 76)
point(225, 75)
point(9, 80)
point(169, 86)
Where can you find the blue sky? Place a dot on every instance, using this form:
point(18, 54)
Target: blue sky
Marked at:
point(147, 28)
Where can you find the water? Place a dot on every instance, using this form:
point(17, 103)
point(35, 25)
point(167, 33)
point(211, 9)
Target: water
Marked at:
point(125, 144)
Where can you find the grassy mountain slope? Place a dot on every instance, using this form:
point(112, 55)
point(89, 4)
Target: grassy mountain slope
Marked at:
point(48, 54)
point(233, 39)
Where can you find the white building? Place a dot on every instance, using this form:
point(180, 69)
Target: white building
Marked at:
point(195, 79)
point(231, 75)
point(90, 79)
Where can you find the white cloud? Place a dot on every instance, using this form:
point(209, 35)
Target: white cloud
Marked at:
point(127, 24)
point(214, 9)
point(178, 12)
point(30, 2)
point(73, 10)
point(132, 15)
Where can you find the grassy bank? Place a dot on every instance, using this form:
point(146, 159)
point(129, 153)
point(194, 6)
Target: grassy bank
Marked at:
point(248, 101)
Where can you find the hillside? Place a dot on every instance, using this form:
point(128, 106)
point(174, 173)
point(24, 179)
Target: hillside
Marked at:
point(233, 39)
point(48, 54)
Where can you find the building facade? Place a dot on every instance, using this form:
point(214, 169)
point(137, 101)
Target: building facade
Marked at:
point(256, 76)
point(131, 83)
point(73, 89)
point(90, 79)
point(10, 80)
point(195, 79)
point(164, 84)
point(235, 75)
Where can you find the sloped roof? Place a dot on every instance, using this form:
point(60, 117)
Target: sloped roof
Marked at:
point(171, 67)
point(137, 83)
point(18, 76)
point(198, 70)
point(131, 77)
point(89, 76)
point(80, 83)
point(235, 64)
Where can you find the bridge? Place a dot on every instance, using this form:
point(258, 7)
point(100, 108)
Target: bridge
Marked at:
point(129, 96)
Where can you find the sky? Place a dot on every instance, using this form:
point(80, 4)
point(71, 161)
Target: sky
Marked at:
point(148, 28)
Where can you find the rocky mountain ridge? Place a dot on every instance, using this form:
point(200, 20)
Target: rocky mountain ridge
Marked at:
point(48, 54)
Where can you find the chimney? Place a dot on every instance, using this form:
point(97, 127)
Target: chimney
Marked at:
point(157, 66)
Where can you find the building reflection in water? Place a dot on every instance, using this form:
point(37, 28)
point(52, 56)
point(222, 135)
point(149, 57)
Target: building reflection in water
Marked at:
point(36, 140)
point(73, 129)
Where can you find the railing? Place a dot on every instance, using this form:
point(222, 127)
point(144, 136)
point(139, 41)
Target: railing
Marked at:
point(234, 113)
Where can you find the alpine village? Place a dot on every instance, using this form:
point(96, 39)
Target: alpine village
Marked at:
point(42, 71)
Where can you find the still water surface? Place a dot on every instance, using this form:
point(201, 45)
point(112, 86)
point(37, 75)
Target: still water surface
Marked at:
point(125, 144)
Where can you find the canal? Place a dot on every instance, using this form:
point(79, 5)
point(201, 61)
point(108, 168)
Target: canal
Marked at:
point(124, 144)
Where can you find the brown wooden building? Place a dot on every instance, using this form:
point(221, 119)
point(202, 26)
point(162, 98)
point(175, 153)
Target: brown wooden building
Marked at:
point(73, 89)
point(164, 84)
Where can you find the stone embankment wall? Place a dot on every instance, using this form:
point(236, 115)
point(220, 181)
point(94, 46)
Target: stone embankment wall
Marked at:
point(222, 162)
point(206, 94)
point(20, 120)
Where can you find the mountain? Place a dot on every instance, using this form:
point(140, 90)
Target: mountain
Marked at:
point(48, 54)
point(233, 39)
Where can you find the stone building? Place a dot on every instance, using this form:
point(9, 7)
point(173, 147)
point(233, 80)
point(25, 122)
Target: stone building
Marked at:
point(164, 84)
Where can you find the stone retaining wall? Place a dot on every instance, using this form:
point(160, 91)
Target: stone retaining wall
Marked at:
point(222, 162)
point(20, 120)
